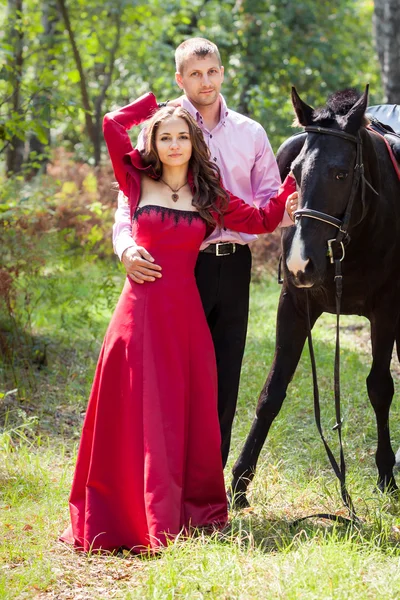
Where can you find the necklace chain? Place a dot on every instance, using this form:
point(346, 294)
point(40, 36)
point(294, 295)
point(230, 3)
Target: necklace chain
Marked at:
point(175, 196)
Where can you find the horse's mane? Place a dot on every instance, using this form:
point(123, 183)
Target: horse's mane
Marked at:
point(337, 106)
point(341, 102)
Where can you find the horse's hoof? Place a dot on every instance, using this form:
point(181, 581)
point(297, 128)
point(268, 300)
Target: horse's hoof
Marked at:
point(237, 500)
point(388, 487)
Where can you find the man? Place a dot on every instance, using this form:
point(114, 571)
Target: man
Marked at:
point(240, 147)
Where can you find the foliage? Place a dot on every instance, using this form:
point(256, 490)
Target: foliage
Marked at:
point(127, 48)
point(118, 50)
point(47, 226)
point(36, 78)
point(386, 26)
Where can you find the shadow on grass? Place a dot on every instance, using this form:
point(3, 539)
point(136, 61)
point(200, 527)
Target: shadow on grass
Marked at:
point(280, 535)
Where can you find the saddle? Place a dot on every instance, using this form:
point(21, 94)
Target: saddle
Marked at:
point(385, 120)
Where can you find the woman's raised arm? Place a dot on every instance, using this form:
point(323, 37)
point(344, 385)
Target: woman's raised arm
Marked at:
point(115, 129)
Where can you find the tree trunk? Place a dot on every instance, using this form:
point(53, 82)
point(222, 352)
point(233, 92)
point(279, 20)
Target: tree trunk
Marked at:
point(87, 107)
point(387, 37)
point(41, 103)
point(15, 150)
point(250, 52)
point(107, 78)
point(93, 110)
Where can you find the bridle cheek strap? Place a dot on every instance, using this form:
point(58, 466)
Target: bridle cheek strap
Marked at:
point(343, 224)
point(336, 245)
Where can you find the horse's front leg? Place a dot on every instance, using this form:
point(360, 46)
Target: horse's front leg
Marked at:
point(380, 391)
point(291, 334)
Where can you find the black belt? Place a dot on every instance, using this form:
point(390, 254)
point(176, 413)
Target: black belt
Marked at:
point(221, 249)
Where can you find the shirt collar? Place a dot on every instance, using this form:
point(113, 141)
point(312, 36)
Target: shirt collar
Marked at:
point(224, 112)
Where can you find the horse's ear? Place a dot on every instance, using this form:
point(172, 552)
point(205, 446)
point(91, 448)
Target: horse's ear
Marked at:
point(302, 110)
point(354, 118)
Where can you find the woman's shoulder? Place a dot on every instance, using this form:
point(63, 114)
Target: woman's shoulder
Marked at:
point(135, 159)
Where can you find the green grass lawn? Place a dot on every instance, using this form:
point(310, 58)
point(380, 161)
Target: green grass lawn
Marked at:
point(260, 556)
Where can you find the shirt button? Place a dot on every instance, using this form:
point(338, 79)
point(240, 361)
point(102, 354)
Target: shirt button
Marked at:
point(210, 135)
point(215, 158)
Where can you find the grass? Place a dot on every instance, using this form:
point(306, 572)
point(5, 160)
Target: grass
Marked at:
point(260, 555)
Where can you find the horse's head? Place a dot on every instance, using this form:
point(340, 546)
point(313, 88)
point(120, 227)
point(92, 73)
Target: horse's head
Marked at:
point(327, 176)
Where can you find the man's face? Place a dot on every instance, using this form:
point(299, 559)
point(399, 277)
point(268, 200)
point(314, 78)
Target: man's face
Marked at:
point(201, 79)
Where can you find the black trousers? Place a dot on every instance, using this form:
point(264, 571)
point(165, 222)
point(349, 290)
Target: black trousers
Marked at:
point(224, 282)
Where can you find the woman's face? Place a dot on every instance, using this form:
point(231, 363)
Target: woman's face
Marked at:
point(173, 143)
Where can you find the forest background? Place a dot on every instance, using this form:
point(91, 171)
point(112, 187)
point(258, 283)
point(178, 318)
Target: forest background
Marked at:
point(64, 63)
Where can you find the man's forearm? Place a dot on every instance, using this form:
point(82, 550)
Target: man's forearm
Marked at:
point(123, 242)
point(122, 229)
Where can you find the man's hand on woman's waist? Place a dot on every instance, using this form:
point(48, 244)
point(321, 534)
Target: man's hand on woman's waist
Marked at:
point(140, 265)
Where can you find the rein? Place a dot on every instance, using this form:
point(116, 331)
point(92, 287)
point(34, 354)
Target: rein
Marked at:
point(336, 253)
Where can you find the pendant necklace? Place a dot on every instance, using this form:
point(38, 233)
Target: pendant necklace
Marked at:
point(175, 196)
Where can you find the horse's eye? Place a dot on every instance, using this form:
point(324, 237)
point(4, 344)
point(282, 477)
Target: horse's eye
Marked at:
point(341, 175)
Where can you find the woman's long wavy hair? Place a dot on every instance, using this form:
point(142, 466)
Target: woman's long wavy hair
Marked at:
point(209, 195)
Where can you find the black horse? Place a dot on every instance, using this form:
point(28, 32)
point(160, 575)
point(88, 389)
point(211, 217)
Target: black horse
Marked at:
point(349, 217)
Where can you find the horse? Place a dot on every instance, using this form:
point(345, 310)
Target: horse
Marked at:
point(348, 229)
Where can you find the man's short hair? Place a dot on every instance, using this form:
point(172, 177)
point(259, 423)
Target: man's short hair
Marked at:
point(199, 47)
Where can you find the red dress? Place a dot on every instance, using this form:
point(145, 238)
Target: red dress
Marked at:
point(149, 461)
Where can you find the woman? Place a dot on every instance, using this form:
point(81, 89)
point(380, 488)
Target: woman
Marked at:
point(149, 462)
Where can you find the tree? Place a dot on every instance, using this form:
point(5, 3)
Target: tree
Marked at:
point(268, 47)
point(41, 106)
point(387, 38)
point(15, 145)
point(86, 57)
point(93, 106)
point(27, 77)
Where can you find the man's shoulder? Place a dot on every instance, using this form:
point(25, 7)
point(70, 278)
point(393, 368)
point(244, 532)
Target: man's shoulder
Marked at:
point(240, 119)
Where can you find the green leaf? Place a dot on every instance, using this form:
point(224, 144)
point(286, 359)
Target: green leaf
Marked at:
point(74, 76)
point(41, 133)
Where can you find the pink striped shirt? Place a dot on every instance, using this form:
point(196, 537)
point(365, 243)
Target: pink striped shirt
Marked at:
point(241, 149)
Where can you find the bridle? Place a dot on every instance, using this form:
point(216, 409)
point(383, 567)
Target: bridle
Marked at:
point(343, 236)
point(336, 253)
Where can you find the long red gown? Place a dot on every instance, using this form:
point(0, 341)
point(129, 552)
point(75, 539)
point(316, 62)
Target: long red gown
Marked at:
point(149, 462)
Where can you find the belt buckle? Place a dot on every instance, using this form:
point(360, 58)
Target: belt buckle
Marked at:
point(218, 253)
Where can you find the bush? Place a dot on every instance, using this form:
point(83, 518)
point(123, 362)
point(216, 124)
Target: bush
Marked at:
point(45, 223)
